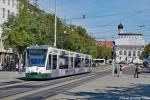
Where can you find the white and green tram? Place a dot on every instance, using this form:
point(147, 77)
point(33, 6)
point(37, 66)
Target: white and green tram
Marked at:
point(44, 62)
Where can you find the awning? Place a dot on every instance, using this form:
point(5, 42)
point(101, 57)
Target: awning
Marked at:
point(2, 50)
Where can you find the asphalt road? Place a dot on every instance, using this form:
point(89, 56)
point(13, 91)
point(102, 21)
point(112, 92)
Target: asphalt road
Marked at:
point(26, 90)
point(30, 90)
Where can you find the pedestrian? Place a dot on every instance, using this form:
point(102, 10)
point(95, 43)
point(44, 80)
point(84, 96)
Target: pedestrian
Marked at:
point(115, 71)
point(120, 70)
point(137, 71)
point(17, 67)
point(20, 68)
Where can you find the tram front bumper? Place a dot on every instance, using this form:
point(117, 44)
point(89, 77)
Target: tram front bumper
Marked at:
point(37, 75)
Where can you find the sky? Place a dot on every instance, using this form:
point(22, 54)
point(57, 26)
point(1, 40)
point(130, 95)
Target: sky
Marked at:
point(103, 16)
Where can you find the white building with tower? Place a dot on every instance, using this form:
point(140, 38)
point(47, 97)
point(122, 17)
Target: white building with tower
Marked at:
point(128, 46)
point(6, 7)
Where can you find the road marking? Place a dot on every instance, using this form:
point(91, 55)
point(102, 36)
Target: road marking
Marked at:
point(17, 96)
point(4, 86)
point(105, 70)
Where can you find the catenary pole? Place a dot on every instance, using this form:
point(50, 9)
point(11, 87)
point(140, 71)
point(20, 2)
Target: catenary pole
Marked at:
point(55, 38)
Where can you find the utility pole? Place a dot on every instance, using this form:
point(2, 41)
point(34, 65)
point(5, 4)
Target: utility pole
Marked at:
point(55, 24)
point(113, 62)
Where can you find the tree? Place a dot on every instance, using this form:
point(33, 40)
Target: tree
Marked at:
point(26, 28)
point(146, 52)
point(33, 26)
point(104, 52)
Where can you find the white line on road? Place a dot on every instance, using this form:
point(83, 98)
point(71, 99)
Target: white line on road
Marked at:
point(17, 96)
point(4, 86)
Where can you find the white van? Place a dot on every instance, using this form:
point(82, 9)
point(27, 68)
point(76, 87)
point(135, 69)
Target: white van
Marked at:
point(99, 61)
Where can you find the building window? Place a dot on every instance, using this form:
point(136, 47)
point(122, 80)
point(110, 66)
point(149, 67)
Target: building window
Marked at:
point(120, 52)
point(134, 53)
point(8, 13)
point(4, 1)
point(139, 53)
point(3, 12)
point(129, 53)
point(125, 52)
point(8, 2)
point(13, 3)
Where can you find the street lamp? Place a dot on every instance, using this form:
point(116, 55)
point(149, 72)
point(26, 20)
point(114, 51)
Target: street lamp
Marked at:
point(113, 56)
point(55, 24)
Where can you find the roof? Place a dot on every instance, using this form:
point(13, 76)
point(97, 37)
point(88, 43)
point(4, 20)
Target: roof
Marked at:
point(120, 26)
point(39, 47)
point(130, 46)
point(3, 50)
point(129, 34)
point(108, 44)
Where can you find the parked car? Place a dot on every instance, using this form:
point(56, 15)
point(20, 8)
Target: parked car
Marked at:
point(146, 64)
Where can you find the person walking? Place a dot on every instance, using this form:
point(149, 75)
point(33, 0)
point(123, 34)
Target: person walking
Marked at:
point(20, 68)
point(115, 71)
point(120, 70)
point(137, 71)
point(17, 67)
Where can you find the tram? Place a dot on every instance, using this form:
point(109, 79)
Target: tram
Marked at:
point(45, 62)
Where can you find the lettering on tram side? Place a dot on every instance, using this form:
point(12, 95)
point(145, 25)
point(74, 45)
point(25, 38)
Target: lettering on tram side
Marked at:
point(62, 72)
point(72, 71)
point(66, 72)
point(80, 70)
point(55, 73)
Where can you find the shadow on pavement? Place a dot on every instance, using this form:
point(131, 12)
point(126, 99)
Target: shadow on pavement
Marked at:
point(133, 92)
point(22, 78)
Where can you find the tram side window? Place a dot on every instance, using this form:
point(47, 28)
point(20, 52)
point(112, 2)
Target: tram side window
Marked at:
point(77, 62)
point(49, 63)
point(54, 62)
point(63, 62)
point(87, 62)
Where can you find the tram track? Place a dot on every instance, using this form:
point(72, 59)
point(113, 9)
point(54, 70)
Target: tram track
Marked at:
point(53, 85)
point(9, 82)
point(30, 86)
point(62, 88)
point(12, 83)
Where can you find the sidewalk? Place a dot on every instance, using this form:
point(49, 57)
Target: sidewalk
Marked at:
point(110, 88)
point(6, 76)
point(101, 68)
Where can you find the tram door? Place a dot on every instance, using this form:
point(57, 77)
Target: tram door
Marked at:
point(49, 62)
point(54, 61)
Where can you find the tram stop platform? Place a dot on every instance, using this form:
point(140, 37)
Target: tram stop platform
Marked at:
point(110, 88)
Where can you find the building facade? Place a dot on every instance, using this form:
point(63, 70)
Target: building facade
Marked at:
point(107, 44)
point(128, 46)
point(6, 8)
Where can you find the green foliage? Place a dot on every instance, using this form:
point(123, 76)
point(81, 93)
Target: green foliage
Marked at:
point(104, 52)
point(146, 51)
point(33, 26)
point(27, 28)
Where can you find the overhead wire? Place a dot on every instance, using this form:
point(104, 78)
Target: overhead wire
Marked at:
point(109, 15)
point(100, 16)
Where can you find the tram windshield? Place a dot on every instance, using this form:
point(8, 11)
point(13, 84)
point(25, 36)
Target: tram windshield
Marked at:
point(36, 57)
